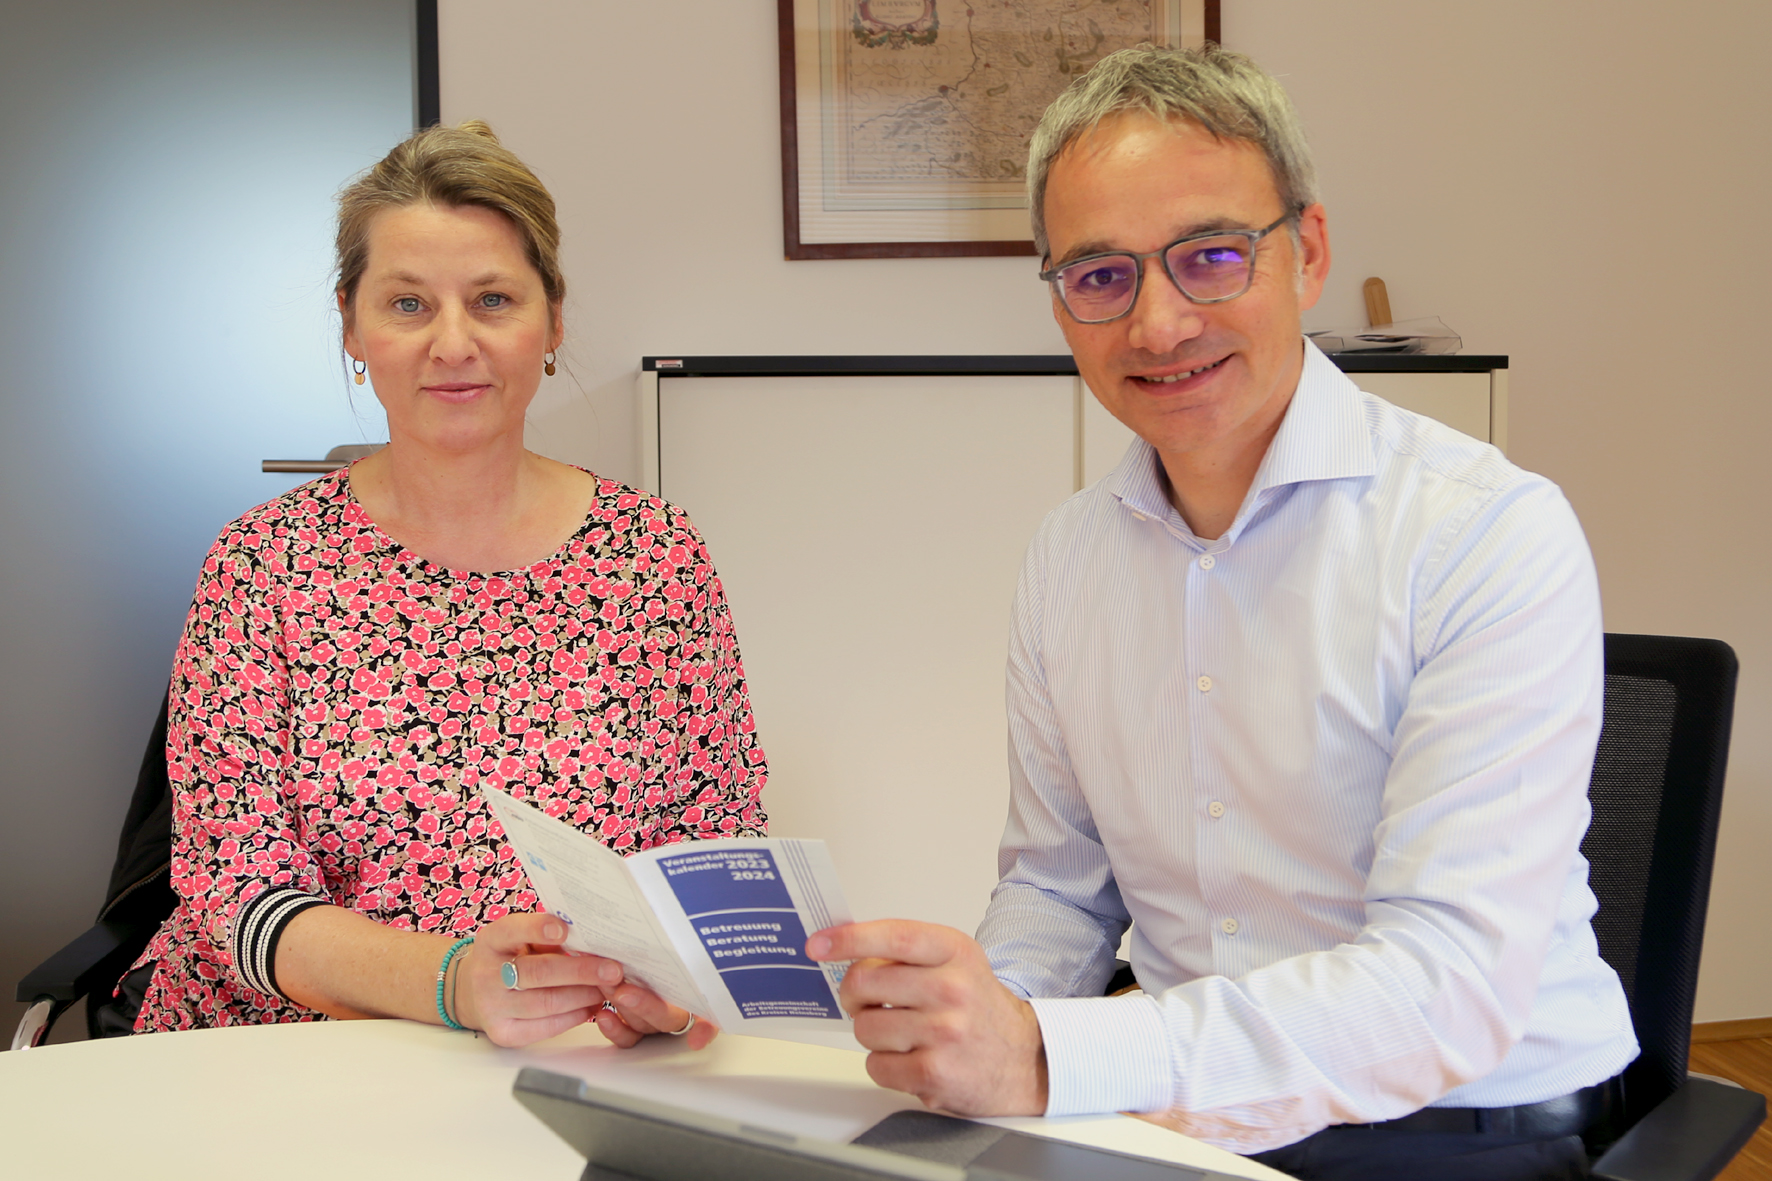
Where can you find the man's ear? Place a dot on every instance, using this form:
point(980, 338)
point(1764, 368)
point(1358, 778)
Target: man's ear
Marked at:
point(1313, 255)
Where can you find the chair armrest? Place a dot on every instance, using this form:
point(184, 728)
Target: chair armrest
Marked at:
point(1690, 1136)
point(95, 959)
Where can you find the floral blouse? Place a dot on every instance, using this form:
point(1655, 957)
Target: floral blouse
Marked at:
point(337, 700)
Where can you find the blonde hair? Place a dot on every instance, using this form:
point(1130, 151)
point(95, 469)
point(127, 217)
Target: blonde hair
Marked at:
point(451, 166)
point(1223, 92)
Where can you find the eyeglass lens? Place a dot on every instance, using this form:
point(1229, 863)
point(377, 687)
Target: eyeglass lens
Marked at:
point(1206, 269)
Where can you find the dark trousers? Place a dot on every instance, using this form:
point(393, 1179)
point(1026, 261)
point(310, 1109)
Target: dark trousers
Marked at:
point(1360, 1153)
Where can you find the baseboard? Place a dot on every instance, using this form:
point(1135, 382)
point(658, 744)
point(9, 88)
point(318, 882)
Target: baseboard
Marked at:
point(1732, 1031)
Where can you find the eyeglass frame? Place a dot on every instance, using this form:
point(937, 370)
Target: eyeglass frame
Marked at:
point(1052, 274)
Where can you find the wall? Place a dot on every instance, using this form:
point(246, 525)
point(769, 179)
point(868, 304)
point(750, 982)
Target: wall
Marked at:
point(1579, 186)
point(1572, 185)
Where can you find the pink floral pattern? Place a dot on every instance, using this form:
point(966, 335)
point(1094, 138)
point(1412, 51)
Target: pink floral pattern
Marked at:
point(336, 701)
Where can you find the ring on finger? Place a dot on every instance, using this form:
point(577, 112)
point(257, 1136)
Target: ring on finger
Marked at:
point(507, 972)
point(687, 1026)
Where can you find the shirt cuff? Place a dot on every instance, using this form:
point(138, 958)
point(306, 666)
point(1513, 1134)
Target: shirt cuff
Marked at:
point(1105, 1054)
point(258, 925)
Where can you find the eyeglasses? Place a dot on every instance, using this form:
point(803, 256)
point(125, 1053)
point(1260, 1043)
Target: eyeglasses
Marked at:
point(1206, 268)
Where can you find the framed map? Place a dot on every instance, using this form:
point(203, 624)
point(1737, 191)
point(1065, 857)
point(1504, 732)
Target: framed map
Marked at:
point(905, 123)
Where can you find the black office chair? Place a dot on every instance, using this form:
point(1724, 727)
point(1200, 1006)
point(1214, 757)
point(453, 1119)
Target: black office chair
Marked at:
point(1657, 794)
point(1657, 791)
point(139, 898)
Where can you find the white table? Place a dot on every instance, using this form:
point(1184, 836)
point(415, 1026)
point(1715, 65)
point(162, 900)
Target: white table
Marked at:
point(385, 1099)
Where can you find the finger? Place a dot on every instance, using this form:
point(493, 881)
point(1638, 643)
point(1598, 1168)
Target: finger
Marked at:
point(513, 934)
point(524, 1032)
point(533, 1003)
point(902, 1072)
point(701, 1033)
point(905, 986)
point(556, 971)
point(611, 1026)
point(647, 1012)
point(888, 939)
point(891, 1030)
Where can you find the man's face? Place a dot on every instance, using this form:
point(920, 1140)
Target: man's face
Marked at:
point(1205, 379)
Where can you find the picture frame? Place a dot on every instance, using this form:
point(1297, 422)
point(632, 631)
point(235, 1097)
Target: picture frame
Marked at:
point(895, 140)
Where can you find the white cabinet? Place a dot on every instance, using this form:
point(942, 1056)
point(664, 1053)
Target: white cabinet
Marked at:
point(868, 526)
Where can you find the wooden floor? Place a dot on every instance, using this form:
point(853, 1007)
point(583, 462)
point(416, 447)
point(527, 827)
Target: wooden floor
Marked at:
point(1748, 1062)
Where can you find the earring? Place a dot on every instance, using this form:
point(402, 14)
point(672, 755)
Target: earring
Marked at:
point(359, 367)
point(548, 367)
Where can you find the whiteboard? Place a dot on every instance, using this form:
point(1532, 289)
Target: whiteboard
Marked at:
point(869, 532)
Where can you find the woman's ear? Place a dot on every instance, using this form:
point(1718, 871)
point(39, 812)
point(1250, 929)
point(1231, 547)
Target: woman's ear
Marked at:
point(352, 345)
point(559, 333)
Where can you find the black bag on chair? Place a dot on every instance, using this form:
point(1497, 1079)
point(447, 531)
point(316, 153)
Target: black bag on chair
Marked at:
point(140, 894)
point(137, 901)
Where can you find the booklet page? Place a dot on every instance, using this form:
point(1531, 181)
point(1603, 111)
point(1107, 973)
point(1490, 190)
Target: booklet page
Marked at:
point(588, 886)
point(739, 912)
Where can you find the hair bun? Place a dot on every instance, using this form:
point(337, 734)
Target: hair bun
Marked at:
point(478, 127)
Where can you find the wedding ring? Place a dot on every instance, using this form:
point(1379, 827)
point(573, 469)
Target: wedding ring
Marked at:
point(686, 1028)
point(507, 972)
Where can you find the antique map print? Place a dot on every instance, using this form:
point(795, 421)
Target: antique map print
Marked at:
point(929, 104)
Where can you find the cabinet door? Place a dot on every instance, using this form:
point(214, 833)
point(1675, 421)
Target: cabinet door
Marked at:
point(869, 531)
point(1460, 400)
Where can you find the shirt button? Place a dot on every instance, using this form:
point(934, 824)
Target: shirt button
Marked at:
point(1205, 684)
point(1207, 561)
point(1229, 926)
point(1215, 809)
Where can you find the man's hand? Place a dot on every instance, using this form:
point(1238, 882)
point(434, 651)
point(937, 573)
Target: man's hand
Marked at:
point(940, 1025)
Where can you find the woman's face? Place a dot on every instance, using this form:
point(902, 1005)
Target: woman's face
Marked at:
point(453, 322)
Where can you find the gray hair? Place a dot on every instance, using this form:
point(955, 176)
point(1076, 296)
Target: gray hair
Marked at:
point(1223, 92)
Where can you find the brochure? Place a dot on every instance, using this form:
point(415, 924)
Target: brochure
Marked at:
point(716, 927)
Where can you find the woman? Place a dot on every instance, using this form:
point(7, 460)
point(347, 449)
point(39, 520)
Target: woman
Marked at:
point(367, 650)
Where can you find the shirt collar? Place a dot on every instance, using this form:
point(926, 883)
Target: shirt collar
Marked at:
point(1323, 437)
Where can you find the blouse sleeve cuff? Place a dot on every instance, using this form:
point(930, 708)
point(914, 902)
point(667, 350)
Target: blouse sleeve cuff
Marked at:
point(1104, 1054)
point(258, 925)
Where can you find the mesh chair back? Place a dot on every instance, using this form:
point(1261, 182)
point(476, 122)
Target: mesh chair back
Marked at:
point(1657, 791)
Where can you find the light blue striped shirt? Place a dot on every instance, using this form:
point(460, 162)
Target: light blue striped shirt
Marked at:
point(1332, 767)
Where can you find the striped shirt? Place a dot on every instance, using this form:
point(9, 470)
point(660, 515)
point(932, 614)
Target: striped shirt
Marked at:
point(1332, 769)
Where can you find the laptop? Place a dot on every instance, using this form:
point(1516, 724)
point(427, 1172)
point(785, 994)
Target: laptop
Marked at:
point(624, 1138)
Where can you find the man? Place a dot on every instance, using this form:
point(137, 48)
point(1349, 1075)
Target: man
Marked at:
point(1306, 691)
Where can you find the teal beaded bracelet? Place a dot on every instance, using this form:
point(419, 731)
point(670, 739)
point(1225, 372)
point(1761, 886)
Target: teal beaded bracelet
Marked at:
point(443, 974)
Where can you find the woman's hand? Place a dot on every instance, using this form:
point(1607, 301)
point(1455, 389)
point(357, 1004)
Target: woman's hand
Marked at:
point(633, 1012)
point(555, 991)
